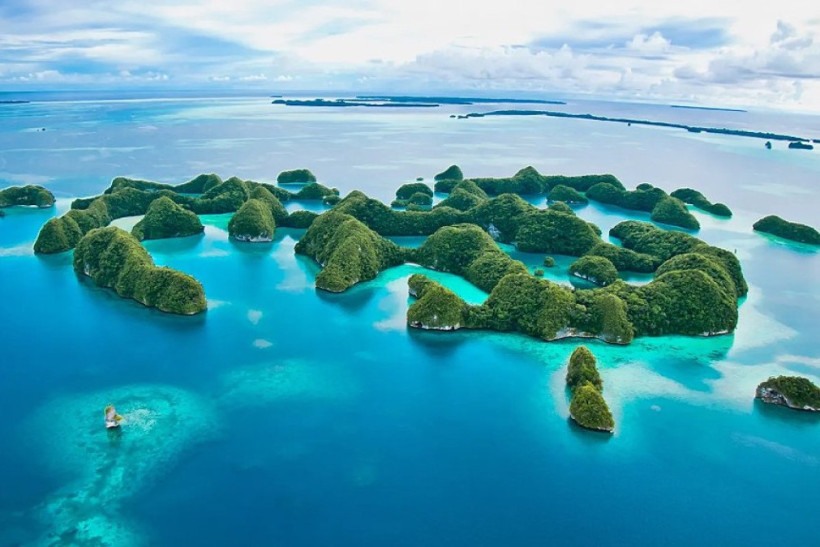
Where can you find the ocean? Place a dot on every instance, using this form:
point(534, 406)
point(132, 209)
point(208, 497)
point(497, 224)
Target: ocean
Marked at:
point(288, 416)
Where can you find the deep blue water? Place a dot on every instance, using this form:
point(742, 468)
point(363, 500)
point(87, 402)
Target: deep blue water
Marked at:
point(301, 418)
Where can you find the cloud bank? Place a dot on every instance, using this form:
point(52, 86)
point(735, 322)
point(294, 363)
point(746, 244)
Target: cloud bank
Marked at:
point(734, 53)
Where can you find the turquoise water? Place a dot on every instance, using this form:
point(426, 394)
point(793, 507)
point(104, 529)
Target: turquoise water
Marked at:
point(284, 415)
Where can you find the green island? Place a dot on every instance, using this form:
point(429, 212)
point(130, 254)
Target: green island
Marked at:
point(295, 176)
point(114, 259)
point(792, 231)
point(693, 197)
point(414, 193)
point(30, 195)
point(694, 291)
point(793, 392)
point(204, 194)
point(165, 218)
point(587, 406)
point(567, 194)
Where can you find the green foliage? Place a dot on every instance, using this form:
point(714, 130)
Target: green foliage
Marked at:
point(58, 235)
point(115, 259)
point(26, 195)
point(589, 409)
point(445, 186)
point(276, 208)
point(466, 250)
point(315, 191)
point(645, 198)
point(436, 307)
point(561, 207)
point(295, 176)
point(348, 250)
point(800, 392)
point(165, 219)
point(225, 198)
point(379, 217)
point(625, 259)
point(672, 211)
point(199, 184)
point(582, 369)
point(405, 191)
point(693, 197)
point(566, 194)
point(298, 219)
point(538, 272)
point(527, 181)
point(420, 198)
point(582, 183)
point(609, 319)
point(461, 200)
point(549, 262)
point(793, 231)
point(526, 304)
point(555, 232)
point(252, 222)
point(596, 269)
point(502, 216)
point(451, 173)
point(708, 265)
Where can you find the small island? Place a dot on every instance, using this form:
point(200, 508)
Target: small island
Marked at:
point(114, 259)
point(31, 195)
point(295, 176)
point(451, 173)
point(794, 392)
point(595, 269)
point(253, 222)
point(587, 406)
point(693, 197)
point(164, 219)
point(793, 231)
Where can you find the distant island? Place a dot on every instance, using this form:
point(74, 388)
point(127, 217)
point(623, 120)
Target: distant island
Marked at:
point(792, 231)
point(30, 195)
point(14, 102)
point(631, 121)
point(713, 108)
point(402, 101)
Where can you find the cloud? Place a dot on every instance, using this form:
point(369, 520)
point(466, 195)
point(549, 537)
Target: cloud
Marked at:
point(766, 53)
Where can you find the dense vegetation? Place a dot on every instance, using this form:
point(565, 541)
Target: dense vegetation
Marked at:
point(589, 409)
point(348, 251)
point(596, 269)
point(451, 173)
point(295, 176)
point(566, 194)
point(166, 219)
point(406, 190)
point(437, 308)
point(799, 392)
point(115, 259)
point(582, 369)
point(26, 195)
point(673, 211)
point(252, 222)
point(793, 231)
point(693, 197)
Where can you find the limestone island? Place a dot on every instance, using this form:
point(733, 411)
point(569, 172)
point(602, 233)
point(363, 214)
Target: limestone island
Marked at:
point(31, 195)
point(415, 193)
point(587, 406)
point(295, 176)
point(791, 391)
point(164, 219)
point(114, 259)
point(253, 222)
point(693, 197)
point(792, 231)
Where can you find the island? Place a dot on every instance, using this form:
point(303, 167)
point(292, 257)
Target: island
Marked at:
point(693, 197)
point(673, 211)
point(790, 391)
point(165, 218)
point(631, 121)
point(595, 269)
point(295, 176)
point(451, 173)
point(416, 193)
point(800, 145)
point(566, 194)
point(30, 195)
point(114, 259)
point(587, 406)
point(793, 231)
point(253, 222)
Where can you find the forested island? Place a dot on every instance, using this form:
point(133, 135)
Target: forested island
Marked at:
point(790, 391)
point(587, 406)
point(631, 121)
point(792, 231)
point(30, 195)
point(694, 290)
point(403, 101)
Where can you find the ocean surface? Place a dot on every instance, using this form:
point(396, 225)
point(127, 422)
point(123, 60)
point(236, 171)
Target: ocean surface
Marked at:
point(287, 416)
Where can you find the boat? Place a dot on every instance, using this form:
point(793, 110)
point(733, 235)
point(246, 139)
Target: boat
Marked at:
point(112, 419)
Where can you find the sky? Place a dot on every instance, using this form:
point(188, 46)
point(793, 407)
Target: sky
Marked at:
point(719, 52)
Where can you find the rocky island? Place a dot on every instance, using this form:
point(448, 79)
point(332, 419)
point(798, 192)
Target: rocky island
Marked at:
point(164, 219)
point(587, 406)
point(31, 195)
point(793, 231)
point(791, 391)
